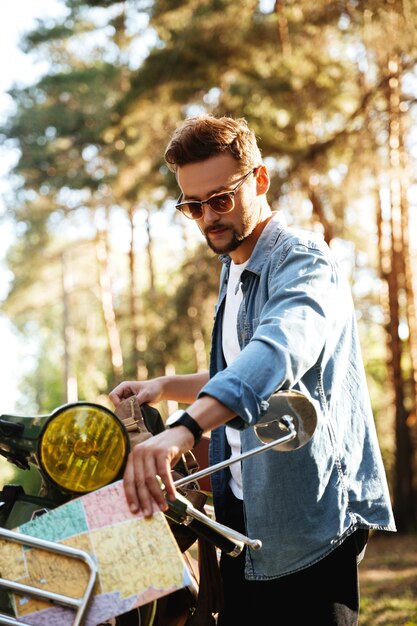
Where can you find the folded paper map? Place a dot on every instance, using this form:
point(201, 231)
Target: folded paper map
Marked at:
point(138, 559)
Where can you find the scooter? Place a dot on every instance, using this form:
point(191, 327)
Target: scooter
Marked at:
point(82, 447)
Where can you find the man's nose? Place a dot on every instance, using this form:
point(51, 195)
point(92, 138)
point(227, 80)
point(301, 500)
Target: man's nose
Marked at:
point(209, 216)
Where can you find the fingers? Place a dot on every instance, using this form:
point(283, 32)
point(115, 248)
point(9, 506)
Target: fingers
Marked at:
point(165, 475)
point(122, 391)
point(143, 493)
point(145, 391)
point(149, 490)
point(147, 479)
point(130, 486)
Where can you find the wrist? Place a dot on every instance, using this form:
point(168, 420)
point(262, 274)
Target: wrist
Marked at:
point(182, 418)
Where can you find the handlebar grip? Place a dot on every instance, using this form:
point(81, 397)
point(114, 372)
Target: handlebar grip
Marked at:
point(178, 513)
point(181, 510)
point(232, 548)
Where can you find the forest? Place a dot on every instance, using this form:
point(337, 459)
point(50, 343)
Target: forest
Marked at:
point(110, 282)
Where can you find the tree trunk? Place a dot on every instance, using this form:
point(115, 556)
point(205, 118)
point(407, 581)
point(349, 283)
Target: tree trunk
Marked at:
point(404, 497)
point(319, 214)
point(70, 379)
point(149, 252)
point(109, 314)
point(282, 28)
point(199, 347)
point(133, 290)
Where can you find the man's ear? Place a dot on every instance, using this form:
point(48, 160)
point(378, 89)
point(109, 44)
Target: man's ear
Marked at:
point(262, 180)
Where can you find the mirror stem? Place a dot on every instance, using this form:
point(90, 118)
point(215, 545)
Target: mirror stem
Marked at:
point(245, 455)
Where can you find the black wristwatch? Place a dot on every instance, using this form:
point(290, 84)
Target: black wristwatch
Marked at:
point(186, 420)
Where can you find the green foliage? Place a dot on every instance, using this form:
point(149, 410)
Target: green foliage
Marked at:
point(28, 479)
point(312, 80)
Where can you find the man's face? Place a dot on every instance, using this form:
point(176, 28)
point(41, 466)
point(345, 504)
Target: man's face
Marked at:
point(232, 232)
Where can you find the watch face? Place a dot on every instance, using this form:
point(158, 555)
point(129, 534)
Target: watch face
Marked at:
point(173, 418)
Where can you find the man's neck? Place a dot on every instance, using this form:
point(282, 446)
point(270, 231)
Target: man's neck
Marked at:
point(244, 251)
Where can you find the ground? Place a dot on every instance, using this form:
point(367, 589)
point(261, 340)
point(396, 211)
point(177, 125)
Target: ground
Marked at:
point(388, 579)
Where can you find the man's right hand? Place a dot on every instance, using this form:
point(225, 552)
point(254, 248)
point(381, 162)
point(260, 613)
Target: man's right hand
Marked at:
point(149, 464)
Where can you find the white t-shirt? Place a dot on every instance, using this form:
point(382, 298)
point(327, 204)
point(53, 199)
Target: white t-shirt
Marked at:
point(231, 350)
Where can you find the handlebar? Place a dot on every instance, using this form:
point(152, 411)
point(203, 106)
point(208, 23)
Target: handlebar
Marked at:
point(228, 540)
point(241, 457)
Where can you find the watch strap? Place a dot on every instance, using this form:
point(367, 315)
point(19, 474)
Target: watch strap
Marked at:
point(186, 420)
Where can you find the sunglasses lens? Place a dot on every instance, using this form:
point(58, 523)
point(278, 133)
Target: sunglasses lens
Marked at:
point(194, 210)
point(222, 203)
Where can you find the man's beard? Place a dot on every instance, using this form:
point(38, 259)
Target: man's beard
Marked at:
point(232, 245)
point(247, 226)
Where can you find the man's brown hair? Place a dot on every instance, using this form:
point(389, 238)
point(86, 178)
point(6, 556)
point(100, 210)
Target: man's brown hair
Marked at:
point(199, 138)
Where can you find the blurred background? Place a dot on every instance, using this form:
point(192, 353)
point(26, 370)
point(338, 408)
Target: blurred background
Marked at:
point(101, 280)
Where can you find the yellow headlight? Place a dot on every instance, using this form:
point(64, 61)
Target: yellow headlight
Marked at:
point(83, 447)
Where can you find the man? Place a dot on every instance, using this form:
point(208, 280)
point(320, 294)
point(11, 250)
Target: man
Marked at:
point(284, 320)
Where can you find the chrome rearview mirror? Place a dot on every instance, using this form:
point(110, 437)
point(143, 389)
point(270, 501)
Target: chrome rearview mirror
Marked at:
point(288, 424)
point(290, 421)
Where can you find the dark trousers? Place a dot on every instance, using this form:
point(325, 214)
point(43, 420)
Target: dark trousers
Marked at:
point(326, 594)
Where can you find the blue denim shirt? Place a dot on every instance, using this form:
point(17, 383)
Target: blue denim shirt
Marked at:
point(297, 330)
